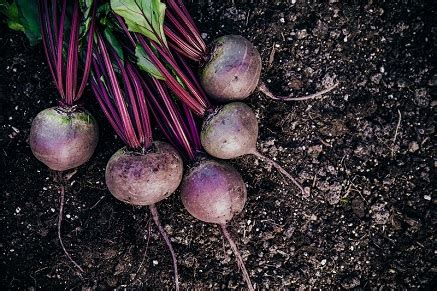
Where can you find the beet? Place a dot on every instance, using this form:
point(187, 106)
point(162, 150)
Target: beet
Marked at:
point(230, 65)
point(231, 131)
point(63, 138)
point(233, 70)
point(213, 192)
point(144, 178)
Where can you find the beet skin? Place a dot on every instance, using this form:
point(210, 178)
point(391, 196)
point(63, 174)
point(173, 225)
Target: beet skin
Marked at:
point(230, 132)
point(213, 191)
point(144, 178)
point(63, 138)
point(233, 69)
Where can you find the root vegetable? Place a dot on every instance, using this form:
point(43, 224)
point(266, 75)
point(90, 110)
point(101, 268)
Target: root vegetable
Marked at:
point(214, 192)
point(232, 131)
point(144, 178)
point(63, 138)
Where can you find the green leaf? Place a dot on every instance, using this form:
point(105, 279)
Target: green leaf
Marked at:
point(112, 39)
point(22, 15)
point(145, 64)
point(28, 18)
point(11, 13)
point(15, 26)
point(85, 7)
point(143, 16)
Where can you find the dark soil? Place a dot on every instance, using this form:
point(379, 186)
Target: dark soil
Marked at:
point(369, 221)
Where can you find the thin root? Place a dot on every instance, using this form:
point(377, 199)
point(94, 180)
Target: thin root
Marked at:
point(61, 214)
point(147, 247)
point(237, 254)
point(155, 216)
point(305, 191)
point(263, 88)
point(396, 134)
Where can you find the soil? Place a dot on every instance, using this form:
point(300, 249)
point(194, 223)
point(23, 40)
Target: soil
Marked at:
point(365, 150)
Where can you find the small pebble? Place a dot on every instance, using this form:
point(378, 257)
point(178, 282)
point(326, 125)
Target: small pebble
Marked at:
point(413, 146)
point(301, 34)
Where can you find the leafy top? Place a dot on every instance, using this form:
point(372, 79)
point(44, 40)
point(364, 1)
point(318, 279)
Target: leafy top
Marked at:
point(143, 16)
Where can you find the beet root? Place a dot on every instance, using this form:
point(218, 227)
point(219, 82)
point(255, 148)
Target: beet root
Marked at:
point(144, 178)
point(233, 70)
point(232, 131)
point(63, 138)
point(213, 191)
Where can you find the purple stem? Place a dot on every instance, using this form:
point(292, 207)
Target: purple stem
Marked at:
point(59, 46)
point(71, 75)
point(88, 56)
point(117, 94)
point(65, 69)
point(193, 78)
point(172, 82)
point(193, 128)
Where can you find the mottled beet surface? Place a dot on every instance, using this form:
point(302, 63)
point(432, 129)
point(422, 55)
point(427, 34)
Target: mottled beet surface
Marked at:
point(213, 191)
point(230, 132)
point(63, 138)
point(369, 221)
point(233, 69)
point(144, 178)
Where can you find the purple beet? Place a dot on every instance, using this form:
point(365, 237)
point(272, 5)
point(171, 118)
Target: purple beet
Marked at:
point(232, 131)
point(231, 65)
point(233, 69)
point(63, 138)
point(144, 178)
point(214, 192)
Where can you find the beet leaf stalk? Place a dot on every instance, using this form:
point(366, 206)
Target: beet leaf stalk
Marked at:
point(63, 60)
point(183, 34)
point(142, 22)
point(143, 172)
point(65, 136)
